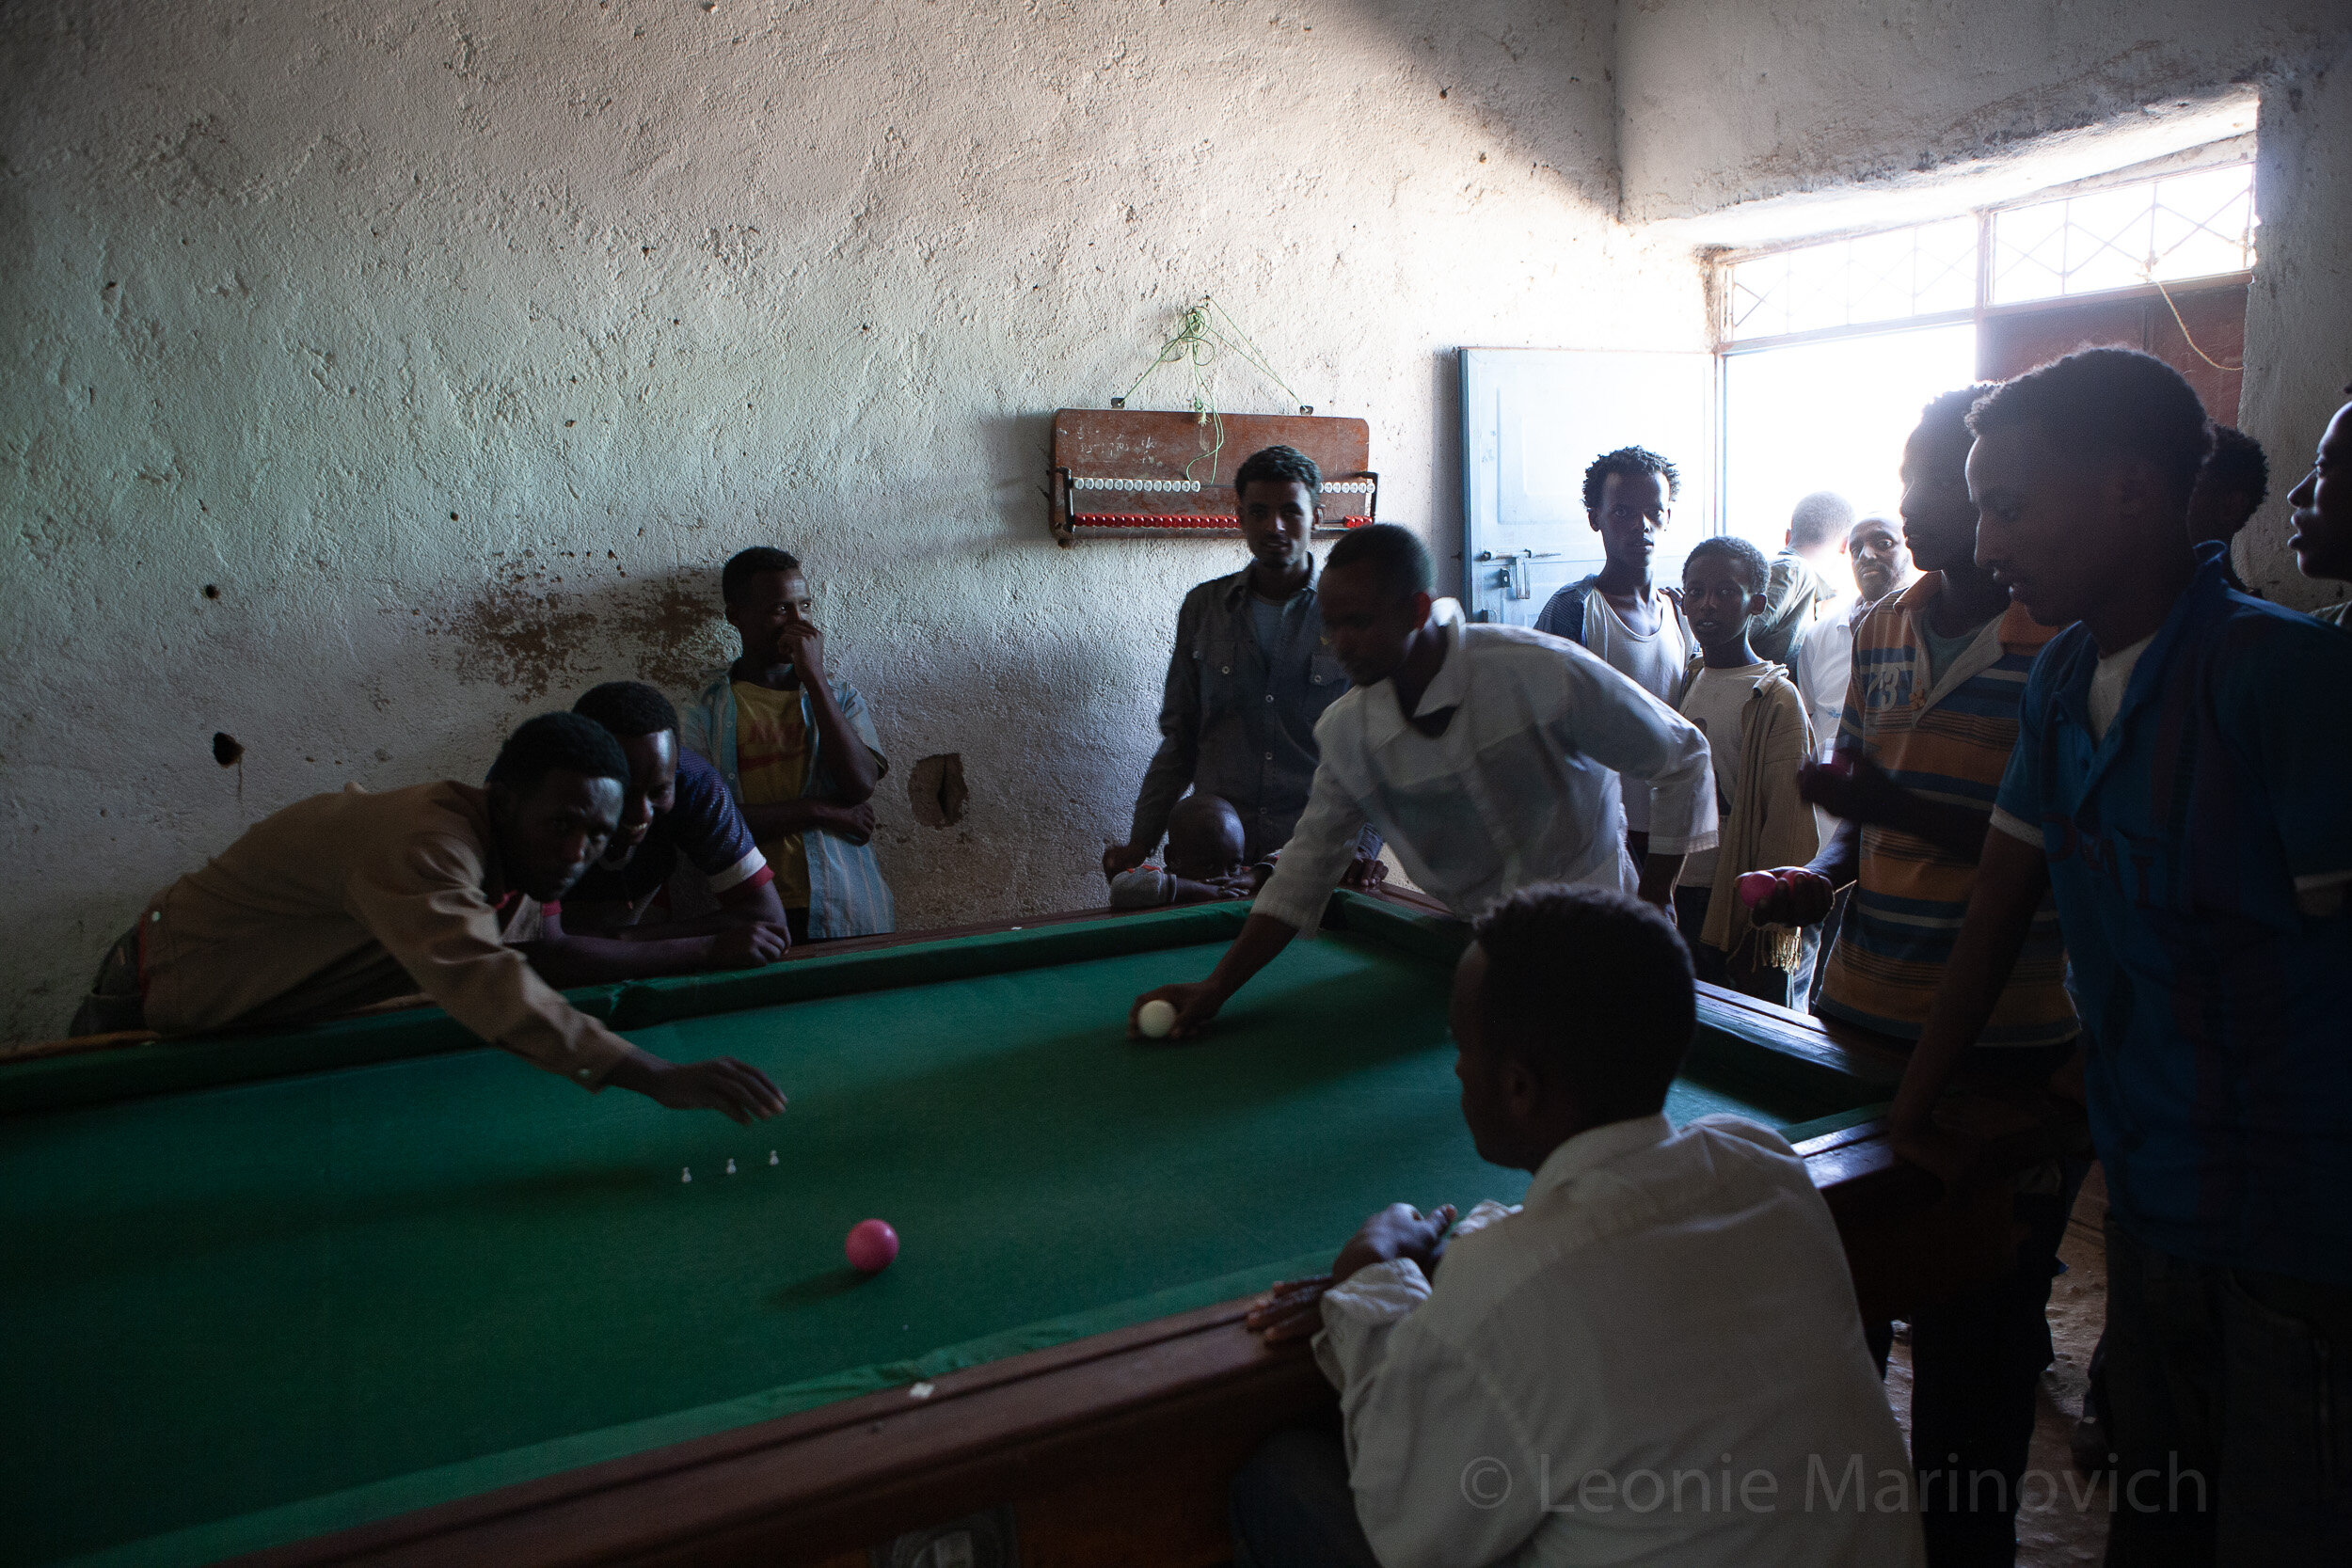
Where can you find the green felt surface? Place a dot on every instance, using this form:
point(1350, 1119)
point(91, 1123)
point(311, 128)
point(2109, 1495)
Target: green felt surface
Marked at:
point(256, 1311)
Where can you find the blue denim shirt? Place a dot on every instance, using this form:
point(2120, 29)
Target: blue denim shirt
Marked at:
point(1238, 720)
point(2220, 1067)
point(847, 896)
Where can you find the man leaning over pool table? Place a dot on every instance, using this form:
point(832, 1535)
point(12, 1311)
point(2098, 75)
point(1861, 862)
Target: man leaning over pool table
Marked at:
point(342, 900)
point(1488, 756)
point(1666, 1307)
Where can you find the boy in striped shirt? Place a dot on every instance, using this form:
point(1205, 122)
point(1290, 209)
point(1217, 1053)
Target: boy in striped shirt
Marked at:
point(1931, 714)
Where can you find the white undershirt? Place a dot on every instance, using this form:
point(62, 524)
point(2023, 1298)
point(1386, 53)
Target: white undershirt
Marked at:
point(2109, 683)
point(1655, 663)
point(2109, 679)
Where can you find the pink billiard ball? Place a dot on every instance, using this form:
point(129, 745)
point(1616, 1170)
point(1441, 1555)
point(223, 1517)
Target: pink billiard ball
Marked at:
point(1756, 886)
point(872, 1246)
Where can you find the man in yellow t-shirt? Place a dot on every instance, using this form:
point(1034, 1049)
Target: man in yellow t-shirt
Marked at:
point(772, 767)
point(798, 751)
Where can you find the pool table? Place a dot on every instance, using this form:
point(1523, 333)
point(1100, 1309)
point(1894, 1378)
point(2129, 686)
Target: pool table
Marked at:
point(370, 1292)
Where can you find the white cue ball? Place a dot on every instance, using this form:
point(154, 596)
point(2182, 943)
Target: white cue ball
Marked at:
point(1156, 1019)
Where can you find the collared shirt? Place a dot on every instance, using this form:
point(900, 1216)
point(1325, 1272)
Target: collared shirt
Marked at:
point(703, 825)
point(1656, 1360)
point(847, 896)
point(1824, 666)
point(1519, 788)
point(1237, 718)
point(2220, 1070)
point(1948, 740)
point(331, 902)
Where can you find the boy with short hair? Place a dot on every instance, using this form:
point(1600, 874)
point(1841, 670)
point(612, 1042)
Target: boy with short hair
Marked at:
point(1205, 860)
point(1663, 1302)
point(1758, 736)
point(2178, 784)
point(1619, 613)
point(2321, 540)
point(798, 752)
point(672, 803)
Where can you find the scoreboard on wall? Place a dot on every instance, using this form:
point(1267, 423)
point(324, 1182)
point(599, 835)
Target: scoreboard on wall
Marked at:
point(1169, 471)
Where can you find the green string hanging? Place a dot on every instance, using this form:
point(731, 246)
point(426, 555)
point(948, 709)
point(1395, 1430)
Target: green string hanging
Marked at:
point(1205, 331)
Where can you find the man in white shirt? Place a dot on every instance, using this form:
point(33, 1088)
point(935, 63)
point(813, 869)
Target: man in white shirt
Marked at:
point(1882, 565)
point(1488, 756)
point(1655, 1359)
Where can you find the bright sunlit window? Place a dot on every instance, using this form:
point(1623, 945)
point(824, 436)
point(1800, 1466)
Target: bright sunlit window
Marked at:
point(2173, 226)
point(1922, 271)
point(1829, 415)
point(2156, 231)
point(1830, 349)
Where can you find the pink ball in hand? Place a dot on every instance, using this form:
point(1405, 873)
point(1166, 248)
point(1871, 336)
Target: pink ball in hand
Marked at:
point(872, 1246)
point(1755, 886)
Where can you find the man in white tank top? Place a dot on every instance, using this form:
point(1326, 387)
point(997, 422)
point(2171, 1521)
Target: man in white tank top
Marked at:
point(1619, 613)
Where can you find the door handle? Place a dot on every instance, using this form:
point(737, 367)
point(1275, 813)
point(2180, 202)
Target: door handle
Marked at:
point(1516, 584)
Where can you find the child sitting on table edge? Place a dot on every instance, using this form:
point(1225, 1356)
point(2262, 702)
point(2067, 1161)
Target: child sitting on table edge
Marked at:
point(798, 751)
point(1757, 734)
point(1205, 860)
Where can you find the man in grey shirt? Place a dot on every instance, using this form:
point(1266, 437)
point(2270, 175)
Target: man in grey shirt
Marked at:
point(1249, 676)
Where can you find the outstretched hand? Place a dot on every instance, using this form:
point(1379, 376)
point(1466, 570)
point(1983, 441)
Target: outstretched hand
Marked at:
point(733, 1088)
point(1850, 786)
point(1798, 897)
point(1117, 857)
point(1195, 1005)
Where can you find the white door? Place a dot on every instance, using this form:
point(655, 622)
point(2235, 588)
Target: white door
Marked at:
point(1532, 420)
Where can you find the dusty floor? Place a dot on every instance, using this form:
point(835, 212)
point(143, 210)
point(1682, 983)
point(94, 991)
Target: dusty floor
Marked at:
point(2064, 1523)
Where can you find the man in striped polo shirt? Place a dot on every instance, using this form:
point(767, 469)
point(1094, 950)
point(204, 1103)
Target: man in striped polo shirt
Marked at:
point(1930, 718)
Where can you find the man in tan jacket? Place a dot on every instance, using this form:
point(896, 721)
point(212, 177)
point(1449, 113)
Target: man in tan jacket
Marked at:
point(1757, 734)
point(342, 900)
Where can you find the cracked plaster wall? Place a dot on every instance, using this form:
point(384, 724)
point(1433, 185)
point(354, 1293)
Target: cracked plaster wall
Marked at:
point(456, 345)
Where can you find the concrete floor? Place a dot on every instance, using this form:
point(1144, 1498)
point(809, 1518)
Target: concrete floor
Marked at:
point(2064, 1522)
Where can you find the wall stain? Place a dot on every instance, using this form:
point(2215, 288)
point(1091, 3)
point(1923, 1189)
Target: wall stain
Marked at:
point(519, 633)
point(531, 631)
point(678, 632)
